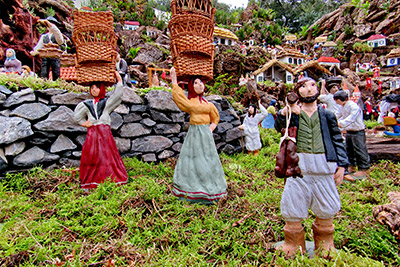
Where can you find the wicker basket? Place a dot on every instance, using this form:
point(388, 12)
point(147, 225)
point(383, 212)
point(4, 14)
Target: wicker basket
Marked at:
point(96, 72)
point(201, 7)
point(67, 60)
point(93, 34)
point(50, 51)
point(91, 53)
point(195, 25)
point(192, 45)
point(99, 18)
point(193, 65)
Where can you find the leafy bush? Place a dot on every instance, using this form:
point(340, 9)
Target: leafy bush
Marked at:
point(362, 47)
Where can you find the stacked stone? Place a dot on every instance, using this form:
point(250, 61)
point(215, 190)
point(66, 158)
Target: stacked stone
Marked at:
point(37, 127)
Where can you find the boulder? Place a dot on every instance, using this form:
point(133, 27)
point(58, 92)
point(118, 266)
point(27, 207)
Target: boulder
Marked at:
point(177, 147)
point(14, 149)
point(3, 98)
point(138, 108)
point(61, 119)
point(51, 92)
point(4, 90)
point(132, 117)
point(70, 98)
point(223, 127)
point(122, 109)
point(13, 129)
point(81, 139)
point(116, 121)
point(148, 122)
point(131, 97)
point(133, 130)
point(154, 144)
point(32, 111)
point(19, 97)
point(3, 160)
point(178, 117)
point(167, 129)
point(161, 100)
point(159, 116)
point(232, 134)
point(62, 143)
point(149, 157)
point(166, 154)
point(123, 144)
point(34, 156)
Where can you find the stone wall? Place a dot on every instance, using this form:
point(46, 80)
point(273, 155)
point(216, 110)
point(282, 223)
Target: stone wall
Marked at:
point(37, 127)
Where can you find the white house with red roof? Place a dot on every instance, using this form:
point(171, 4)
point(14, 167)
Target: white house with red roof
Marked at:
point(131, 25)
point(329, 61)
point(376, 40)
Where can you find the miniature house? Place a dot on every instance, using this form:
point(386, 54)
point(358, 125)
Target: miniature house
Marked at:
point(329, 44)
point(395, 83)
point(329, 61)
point(131, 25)
point(290, 39)
point(376, 40)
point(393, 58)
point(291, 56)
point(275, 70)
point(224, 37)
point(319, 41)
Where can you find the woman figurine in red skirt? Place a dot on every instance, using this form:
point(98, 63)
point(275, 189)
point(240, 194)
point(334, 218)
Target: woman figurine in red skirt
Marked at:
point(100, 157)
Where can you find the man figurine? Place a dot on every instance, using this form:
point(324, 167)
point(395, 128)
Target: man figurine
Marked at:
point(350, 118)
point(122, 68)
point(326, 97)
point(52, 36)
point(322, 161)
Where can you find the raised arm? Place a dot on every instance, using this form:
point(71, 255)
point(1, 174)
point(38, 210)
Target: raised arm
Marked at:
point(261, 116)
point(178, 94)
point(116, 96)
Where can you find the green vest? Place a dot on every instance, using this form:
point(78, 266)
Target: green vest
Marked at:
point(309, 134)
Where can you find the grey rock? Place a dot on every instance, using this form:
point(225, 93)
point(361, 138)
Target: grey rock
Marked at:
point(123, 144)
point(225, 117)
point(167, 129)
point(3, 160)
point(151, 144)
point(166, 154)
point(5, 113)
point(14, 149)
point(5, 90)
point(225, 104)
point(131, 97)
point(182, 135)
point(148, 122)
point(67, 154)
point(13, 129)
point(161, 100)
point(178, 117)
point(32, 111)
point(62, 143)
point(44, 101)
point(232, 134)
point(235, 123)
point(217, 105)
point(61, 119)
point(39, 141)
point(175, 139)
point(133, 129)
point(77, 154)
point(149, 157)
point(70, 98)
point(216, 137)
point(34, 156)
point(122, 109)
point(116, 121)
point(177, 147)
point(138, 108)
point(46, 134)
point(213, 98)
point(81, 139)
point(70, 162)
point(51, 92)
point(219, 145)
point(3, 98)
point(228, 149)
point(158, 116)
point(19, 97)
point(223, 127)
point(132, 117)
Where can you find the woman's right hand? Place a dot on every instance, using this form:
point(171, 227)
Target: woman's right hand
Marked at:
point(87, 124)
point(172, 73)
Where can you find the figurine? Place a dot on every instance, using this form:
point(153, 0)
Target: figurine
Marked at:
point(250, 128)
point(199, 176)
point(322, 160)
point(100, 157)
point(12, 64)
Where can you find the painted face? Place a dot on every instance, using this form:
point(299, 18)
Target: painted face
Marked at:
point(334, 89)
point(251, 110)
point(9, 53)
point(94, 90)
point(339, 102)
point(198, 86)
point(309, 88)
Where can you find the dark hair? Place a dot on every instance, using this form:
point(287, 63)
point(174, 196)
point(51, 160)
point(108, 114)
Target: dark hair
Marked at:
point(191, 92)
point(248, 110)
point(341, 95)
point(300, 83)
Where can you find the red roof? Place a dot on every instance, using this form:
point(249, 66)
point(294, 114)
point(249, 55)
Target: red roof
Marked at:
point(376, 36)
point(328, 59)
point(133, 23)
point(68, 73)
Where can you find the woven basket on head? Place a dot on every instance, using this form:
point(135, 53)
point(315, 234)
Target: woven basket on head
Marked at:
point(99, 18)
point(201, 7)
point(96, 72)
point(192, 45)
point(188, 66)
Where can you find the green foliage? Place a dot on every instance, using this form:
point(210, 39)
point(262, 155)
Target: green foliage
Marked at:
point(144, 91)
point(348, 30)
point(268, 83)
point(219, 85)
point(50, 12)
point(241, 34)
point(148, 15)
point(304, 31)
point(332, 36)
point(362, 47)
point(133, 52)
point(386, 6)
point(371, 124)
point(315, 30)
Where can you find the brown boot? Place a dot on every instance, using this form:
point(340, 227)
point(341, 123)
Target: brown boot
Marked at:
point(256, 152)
point(352, 169)
point(294, 238)
point(323, 234)
point(361, 174)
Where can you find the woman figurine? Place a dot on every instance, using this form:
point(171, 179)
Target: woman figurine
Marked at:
point(250, 128)
point(100, 157)
point(198, 176)
point(12, 64)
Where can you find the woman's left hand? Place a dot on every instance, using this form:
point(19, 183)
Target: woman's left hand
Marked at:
point(213, 126)
point(338, 176)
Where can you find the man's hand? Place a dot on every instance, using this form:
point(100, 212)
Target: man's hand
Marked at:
point(45, 22)
point(118, 77)
point(33, 53)
point(338, 176)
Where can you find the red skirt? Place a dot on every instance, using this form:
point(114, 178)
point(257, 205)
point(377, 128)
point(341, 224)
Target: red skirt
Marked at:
point(100, 158)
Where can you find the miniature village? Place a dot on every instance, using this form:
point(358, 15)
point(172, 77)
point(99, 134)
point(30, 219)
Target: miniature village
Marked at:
point(106, 156)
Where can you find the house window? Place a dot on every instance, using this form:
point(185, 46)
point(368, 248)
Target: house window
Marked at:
point(290, 60)
point(392, 61)
point(222, 41)
point(260, 78)
point(381, 42)
point(229, 42)
point(295, 61)
point(398, 61)
point(289, 78)
point(300, 61)
point(376, 44)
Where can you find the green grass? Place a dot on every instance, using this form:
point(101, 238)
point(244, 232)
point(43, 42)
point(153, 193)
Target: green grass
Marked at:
point(45, 219)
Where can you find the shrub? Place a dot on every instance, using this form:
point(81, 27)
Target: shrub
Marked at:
point(362, 47)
